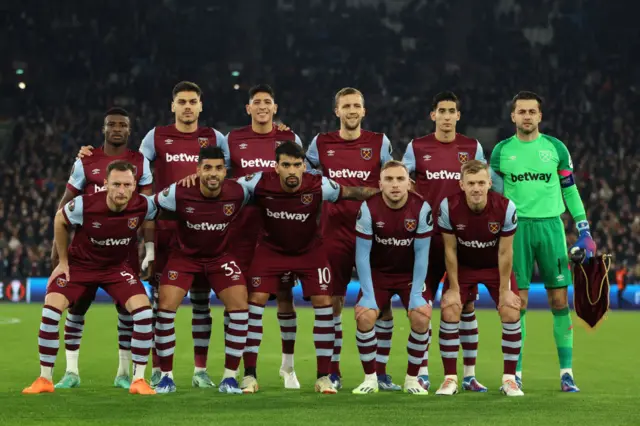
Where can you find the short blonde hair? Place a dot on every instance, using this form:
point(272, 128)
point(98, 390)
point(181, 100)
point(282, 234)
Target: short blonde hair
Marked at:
point(473, 167)
point(393, 163)
point(347, 91)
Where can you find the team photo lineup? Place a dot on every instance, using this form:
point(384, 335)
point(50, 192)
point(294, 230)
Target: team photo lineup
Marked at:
point(252, 214)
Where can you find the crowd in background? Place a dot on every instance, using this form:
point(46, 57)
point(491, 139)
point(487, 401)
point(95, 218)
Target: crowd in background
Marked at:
point(81, 58)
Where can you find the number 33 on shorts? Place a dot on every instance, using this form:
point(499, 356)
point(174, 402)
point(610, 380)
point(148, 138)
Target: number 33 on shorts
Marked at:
point(231, 268)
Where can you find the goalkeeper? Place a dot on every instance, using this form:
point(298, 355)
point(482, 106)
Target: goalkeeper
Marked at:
point(538, 173)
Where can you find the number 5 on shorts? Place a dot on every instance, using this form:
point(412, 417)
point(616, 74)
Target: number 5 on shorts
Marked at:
point(230, 268)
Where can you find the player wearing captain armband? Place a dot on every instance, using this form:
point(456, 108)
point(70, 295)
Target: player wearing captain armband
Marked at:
point(538, 177)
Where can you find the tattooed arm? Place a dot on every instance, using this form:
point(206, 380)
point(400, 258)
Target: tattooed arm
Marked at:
point(359, 193)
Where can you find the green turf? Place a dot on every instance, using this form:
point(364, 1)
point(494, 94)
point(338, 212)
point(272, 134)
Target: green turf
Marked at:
point(604, 368)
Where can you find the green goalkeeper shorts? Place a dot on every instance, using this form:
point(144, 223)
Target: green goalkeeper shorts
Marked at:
point(542, 241)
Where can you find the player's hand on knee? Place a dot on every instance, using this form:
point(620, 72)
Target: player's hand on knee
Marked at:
point(61, 269)
point(364, 305)
point(508, 299)
point(85, 151)
point(188, 181)
point(424, 309)
point(451, 299)
point(283, 127)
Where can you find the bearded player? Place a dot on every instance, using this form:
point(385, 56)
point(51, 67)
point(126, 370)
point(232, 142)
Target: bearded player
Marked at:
point(350, 156)
point(174, 151)
point(538, 177)
point(290, 202)
point(98, 256)
point(477, 228)
point(204, 213)
point(251, 151)
point(87, 176)
point(392, 251)
point(435, 159)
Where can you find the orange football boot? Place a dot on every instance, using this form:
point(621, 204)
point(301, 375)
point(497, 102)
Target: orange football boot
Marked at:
point(41, 385)
point(141, 387)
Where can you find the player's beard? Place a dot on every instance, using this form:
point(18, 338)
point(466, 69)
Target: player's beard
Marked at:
point(351, 127)
point(120, 201)
point(190, 120)
point(527, 131)
point(212, 184)
point(118, 142)
point(292, 181)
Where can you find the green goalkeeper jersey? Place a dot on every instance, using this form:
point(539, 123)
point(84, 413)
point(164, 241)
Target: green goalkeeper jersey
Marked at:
point(531, 172)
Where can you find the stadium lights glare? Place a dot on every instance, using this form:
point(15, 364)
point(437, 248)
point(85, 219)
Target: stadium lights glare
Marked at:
point(235, 73)
point(19, 71)
point(236, 86)
point(22, 85)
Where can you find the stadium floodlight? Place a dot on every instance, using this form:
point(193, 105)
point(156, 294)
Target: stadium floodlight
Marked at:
point(235, 73)
point(236, 86)
point(19, 71)
point(22, 85)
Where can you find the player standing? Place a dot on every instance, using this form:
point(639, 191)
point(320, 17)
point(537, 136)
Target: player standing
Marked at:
point(205, 212)
point(98, 256)
point(87, 176)
point(351, 156)
point(174, 151)
point(251, 151)
point(477, 228)
point(290, 201)
point(538, 177)
point(392, 257)
point(435, 159)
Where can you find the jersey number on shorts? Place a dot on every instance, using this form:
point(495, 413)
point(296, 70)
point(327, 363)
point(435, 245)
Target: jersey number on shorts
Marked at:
point(128, 277)
point(324, 275)
point(231, 268)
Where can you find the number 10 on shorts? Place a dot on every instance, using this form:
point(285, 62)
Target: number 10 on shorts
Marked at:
point(324, 278)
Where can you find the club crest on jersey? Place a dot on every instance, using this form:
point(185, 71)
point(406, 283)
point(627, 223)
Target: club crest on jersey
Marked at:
point(306, 198)
point(366, 153)
point(133, 222)
point(463, 157)
point(256, 281)
point(545, 155)
point(173, 275)
point(228, 209)
point(494, 227)
point(410, 224)
point(204, 142)
point(61, 282)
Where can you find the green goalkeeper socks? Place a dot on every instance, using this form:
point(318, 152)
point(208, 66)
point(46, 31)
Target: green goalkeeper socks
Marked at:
point(523, 330)
point(563, 335)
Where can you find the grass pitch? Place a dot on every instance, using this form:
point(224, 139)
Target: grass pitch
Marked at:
point(604, 365)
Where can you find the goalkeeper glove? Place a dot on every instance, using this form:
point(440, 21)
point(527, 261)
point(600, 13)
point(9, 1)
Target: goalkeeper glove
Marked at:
point(585, 242)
